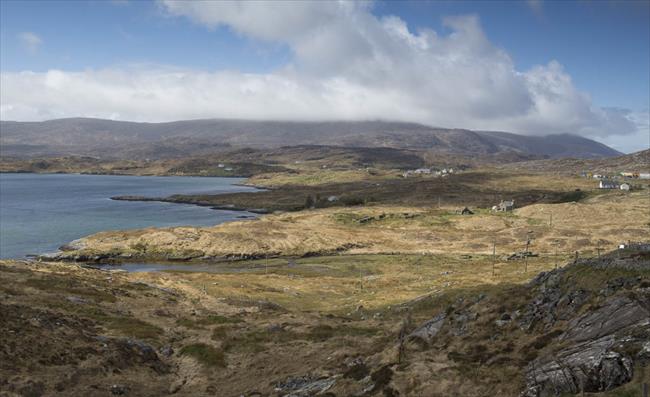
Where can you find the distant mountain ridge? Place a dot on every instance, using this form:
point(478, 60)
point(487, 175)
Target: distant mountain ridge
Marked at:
point(109, 138)
point(634, 162)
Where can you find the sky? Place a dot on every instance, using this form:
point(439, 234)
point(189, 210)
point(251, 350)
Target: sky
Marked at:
point(530, 67)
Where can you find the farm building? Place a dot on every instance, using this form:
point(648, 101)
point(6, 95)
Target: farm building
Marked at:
point(605, 184)
point(505, 206)
point(466, 211)
point(625, 186)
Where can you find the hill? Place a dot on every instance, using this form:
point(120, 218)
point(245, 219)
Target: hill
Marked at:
point(122, 139)
point(634, 162)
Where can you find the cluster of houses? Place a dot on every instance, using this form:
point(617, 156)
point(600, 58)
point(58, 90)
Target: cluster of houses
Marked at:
point(628, 175)
point(504, 206)
point(635, 245)
point(428, 171)
point(609, 184)
point(220, 165)
point(615, 181)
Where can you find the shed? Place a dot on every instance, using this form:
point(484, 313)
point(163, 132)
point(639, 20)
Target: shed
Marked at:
point(466, 211)
point(625, 186)
point(506, 205)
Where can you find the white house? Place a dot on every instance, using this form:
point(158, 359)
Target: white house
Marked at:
point(605, 184)
point(625, 186)
point(505, 206)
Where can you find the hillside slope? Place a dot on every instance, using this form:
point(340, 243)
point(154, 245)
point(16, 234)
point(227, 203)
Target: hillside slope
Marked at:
point(634, 162)
point(108, 138)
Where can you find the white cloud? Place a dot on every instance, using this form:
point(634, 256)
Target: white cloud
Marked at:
point(30, 41)
point(347, 64)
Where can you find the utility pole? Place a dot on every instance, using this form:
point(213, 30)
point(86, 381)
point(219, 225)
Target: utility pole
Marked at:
point(528, 237)
point(494, 255)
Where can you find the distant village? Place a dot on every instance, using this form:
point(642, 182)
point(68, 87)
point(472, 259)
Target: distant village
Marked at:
point(619, 181)
point(428, 171)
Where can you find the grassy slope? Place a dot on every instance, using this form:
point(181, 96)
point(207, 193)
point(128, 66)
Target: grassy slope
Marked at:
point(238, 333)
point(602, 221)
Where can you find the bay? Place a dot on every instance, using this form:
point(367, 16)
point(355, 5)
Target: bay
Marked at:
point(41, 212)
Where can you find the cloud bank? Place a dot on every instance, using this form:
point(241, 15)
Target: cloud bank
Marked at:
point(347, 64)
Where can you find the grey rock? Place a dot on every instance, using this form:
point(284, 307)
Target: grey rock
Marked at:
point(591, 367)
point(119, 390)
point(304, 386)
point(76, 299)
point(131, 352)
point(166, 351)
point(427, 331)
point(569, 304)
point(617, 313)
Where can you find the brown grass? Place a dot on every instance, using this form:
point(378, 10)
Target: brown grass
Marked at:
point(602, 221)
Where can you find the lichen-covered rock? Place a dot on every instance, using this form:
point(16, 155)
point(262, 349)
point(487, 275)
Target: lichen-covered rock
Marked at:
point(591, 367)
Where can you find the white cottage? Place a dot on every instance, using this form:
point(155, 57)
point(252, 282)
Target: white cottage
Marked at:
point(605, 184)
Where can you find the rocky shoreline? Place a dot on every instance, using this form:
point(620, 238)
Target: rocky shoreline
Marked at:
point(173, 199)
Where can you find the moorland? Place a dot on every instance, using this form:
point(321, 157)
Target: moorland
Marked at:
point(371, 270)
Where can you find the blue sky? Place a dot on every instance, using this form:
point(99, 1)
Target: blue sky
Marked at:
point(594, 55)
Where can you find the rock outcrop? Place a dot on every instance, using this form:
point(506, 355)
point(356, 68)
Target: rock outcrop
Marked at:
point(593, 366)
point(603, 342)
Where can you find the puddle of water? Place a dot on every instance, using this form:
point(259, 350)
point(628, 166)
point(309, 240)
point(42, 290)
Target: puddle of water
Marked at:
point(208, 267)
point(181, 267)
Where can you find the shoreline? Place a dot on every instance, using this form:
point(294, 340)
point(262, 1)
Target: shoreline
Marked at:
point(226, 207)
point(124, 174)
point(251, 213)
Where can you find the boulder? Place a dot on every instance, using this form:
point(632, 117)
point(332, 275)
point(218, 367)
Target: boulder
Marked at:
point(427, 331)
point(304, 386)
point(119, 390)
